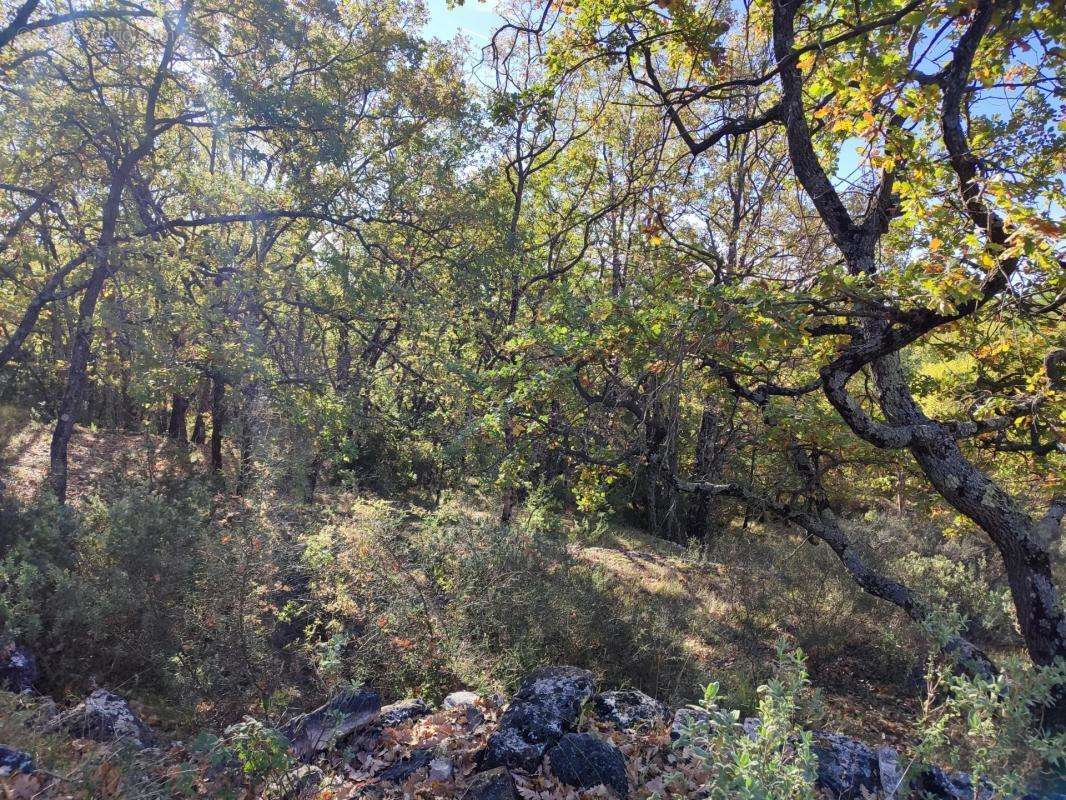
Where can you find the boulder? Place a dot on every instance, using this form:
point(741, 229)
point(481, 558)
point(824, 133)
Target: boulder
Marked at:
point(403, 712)
point(846, 767)
point(629, 709)
point(546, 706)
point(493, 784)
point(406, 766)
point(13, 761)
point(583, 761)
point(319, 730)
point(104, 717)
point(685, 718)
point(18, 668)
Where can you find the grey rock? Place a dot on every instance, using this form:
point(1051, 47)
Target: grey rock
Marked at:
point(629, 708)
point(13, 761)
point(685, 718)
point(546, 706)
point(582, 760)
point(320, 730)
point(406, 766)
point(890, 773)
point(493, 784)
point(846, 766)
point(104, 717)
point(18, 668)
point(751, 727)
point(458, 699)
point(944, 785)
point(402, 712)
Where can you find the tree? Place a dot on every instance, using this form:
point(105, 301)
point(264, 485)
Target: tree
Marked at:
point(908, 80)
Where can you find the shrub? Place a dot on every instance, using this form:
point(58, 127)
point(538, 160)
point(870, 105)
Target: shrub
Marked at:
point(456, 599)
point(771, 761)
point(990, 726)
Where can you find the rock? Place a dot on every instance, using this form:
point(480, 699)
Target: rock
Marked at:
point(441, 769)
point(13, 761)
point(296, 783)
point(18, 668)
point(493, 784)
point(402, 712)
point(545, 707)
point(104, 717)
point(939, 783)
point(629, 709)
point(406, 766)
point(686, 717)
point(583, 761)
point(751, 727)
point(321, 729)
point(846, 767)
point(890, 773)
point(457, 699)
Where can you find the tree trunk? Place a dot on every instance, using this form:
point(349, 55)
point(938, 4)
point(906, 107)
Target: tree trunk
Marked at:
point(178, 428)
point(702, 508)
point(81, 348)
point(246, 440)
point(1026, 558)
point(218, 421)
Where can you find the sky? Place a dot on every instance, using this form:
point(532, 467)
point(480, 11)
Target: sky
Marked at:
point(475, 19)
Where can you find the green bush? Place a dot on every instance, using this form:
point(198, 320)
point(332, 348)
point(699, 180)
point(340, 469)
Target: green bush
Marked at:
point(990, 726)
point(774, 761)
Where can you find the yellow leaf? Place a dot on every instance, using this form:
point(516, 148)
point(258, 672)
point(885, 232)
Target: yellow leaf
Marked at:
point(934, 243)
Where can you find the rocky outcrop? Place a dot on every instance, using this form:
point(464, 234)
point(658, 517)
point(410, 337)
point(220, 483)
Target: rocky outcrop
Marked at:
point(18, 668)
point(584, 761)
point(14, 761)
point(344, 714)
point(629, 709)
point(104, 717)
point(545, 707)
point(493, 784)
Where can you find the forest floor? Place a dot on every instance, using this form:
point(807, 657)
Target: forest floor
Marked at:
point(735, 603)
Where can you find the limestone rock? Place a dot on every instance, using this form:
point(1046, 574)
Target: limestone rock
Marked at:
point(13, 761)
point(104, 717)
point(493, 784)
point(629, 709)
point(584, 761)
point(686, 717)
point(545, 707)
point(403, 711)
point(18, 668)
